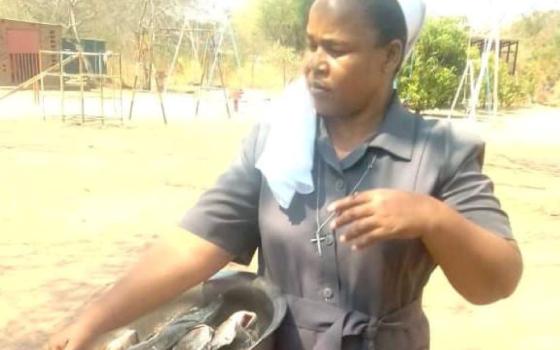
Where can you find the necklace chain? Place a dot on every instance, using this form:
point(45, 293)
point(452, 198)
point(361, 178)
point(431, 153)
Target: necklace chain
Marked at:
point(318, 237)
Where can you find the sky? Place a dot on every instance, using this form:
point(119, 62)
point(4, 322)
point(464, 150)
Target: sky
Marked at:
point(482, 12)
point(452, 7)
point(476, 8)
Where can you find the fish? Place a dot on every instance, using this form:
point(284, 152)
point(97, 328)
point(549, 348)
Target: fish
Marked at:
point(236, 327)
point(171, 334)
point(198, 338)
point(124, 340)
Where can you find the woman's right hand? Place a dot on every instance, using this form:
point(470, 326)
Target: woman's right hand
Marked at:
point(75, 336)
point(177, 262)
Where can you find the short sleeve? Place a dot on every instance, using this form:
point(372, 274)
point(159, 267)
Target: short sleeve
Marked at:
point(464, 187)
point(227, 214)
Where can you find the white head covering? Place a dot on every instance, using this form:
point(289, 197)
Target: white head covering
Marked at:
point(414, 14)
point(287, 158)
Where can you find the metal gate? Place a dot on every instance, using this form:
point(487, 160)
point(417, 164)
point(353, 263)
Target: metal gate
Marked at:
point(23, 50)
point(24, 66)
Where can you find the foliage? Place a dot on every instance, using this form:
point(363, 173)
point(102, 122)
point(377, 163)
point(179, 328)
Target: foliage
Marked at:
point(429, 80)
point(272, 69)
point(283, 21)
point(539, 49)
point(513, 90)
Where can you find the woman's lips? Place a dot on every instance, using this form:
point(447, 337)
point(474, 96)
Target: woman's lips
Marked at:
point(317, 89)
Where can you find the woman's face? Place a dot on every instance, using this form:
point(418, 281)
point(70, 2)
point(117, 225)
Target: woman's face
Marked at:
point(345, 69)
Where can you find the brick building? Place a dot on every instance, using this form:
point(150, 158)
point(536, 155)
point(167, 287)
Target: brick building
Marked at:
point(20, 43)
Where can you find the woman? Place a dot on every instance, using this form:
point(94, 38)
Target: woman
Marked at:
point(390, 196)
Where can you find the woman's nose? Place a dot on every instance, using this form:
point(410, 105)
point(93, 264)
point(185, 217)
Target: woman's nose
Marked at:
point(317, 63)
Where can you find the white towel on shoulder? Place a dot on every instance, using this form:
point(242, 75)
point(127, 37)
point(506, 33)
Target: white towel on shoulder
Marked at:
point(287, 158)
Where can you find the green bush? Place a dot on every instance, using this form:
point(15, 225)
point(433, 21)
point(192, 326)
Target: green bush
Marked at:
point(539, 48)
point(513, 91)
point(431, 77)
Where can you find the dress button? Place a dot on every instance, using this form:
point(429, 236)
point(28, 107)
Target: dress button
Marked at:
point(328, 293)
point(340, 185)
point(329, 239)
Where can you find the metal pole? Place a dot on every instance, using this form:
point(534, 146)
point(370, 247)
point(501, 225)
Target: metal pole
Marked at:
point(111, 75)
point(203, 76)
point(478, 84)
point(194, 44)
point(132, 97)
point(61, 57)
point(223, 86)
point(472, 87)
point(161, 104)
point(216, 48)
point(151, 65)
point(515, 59)
point(81, 77)
point(42, 90)
point(234, 43)
point(140, 57)
point(121, 89)
point(102, 82)
point(456, 98)
point(497, 71)
point(175, 56)
point(508, 54)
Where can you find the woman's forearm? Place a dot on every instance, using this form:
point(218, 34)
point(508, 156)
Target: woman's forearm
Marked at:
point(481, 266)
point(173, 265)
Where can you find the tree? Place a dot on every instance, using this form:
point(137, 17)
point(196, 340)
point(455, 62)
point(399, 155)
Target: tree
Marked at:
point(57, 11)
point(283, 21)
point(432, 76)
point(539, 49)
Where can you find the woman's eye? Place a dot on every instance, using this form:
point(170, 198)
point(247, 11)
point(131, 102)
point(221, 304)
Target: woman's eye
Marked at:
point(336, 51)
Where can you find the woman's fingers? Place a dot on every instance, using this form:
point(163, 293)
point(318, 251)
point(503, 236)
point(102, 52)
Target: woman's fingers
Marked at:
point(365, 218)
point(349, 202)
point(359, 228)
point(352, 214)
point(73, 337)
point(367, 240)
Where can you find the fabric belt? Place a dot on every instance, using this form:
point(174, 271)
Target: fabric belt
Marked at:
point(333, 323)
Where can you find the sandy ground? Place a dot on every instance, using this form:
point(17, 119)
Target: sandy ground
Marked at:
point(79, 203)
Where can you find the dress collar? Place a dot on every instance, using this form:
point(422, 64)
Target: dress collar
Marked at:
point(395, 134)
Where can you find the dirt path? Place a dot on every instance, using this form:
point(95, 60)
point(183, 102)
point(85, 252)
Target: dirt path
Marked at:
point(80, 203)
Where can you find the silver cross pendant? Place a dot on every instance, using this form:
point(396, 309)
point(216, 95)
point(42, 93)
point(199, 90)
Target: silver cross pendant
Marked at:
point(319, 239)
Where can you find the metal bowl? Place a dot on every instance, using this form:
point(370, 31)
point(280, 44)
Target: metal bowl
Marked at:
point(239, 290)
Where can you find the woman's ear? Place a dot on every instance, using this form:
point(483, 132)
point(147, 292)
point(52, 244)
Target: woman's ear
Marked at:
point(395, 54)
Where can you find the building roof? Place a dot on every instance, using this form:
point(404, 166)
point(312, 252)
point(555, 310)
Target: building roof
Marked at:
point(29, 22)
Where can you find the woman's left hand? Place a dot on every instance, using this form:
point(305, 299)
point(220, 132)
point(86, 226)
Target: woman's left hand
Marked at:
point(378, 215)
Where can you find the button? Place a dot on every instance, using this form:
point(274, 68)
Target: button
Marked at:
point(328, 293)
point(340, 185)
point(329, 239)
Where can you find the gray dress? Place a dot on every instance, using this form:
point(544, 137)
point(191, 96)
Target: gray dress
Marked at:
point(344, 299)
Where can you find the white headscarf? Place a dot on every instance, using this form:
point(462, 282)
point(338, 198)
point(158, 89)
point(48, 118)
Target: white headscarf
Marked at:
point(287, 158)
point(414, 14)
